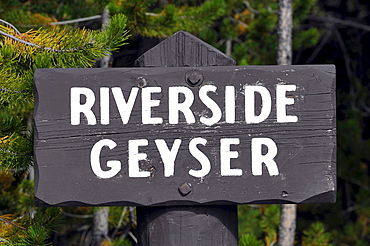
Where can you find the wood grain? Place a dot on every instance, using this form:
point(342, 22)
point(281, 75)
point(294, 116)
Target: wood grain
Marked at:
point(306, 149)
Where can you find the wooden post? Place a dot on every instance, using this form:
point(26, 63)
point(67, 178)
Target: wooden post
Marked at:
point(186, 225)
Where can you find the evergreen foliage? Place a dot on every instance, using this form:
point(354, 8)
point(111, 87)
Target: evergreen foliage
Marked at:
point(258, 224)
point(20, 55)
point(247, 31)
point(149, 18)
point(316, 235)
point(250, 240)
point(164, 20)
point(31, 14)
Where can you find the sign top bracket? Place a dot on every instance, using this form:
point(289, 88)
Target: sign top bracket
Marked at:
point(183, 50)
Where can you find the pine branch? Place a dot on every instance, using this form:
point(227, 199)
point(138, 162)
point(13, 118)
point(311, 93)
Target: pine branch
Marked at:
point(21, 54)
point(34, 45)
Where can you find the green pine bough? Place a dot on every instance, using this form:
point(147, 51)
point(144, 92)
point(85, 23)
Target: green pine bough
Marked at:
point(20, 55)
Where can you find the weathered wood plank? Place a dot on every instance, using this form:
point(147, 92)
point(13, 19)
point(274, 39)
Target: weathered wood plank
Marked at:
point(183, 50)
point(306, 155)
point(188, 225)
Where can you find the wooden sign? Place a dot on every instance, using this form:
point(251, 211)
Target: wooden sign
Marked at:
point(185, 136)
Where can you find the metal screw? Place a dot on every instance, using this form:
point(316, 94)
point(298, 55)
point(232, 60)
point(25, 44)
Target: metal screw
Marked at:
point(194, 78)
point(185, 189)
point(141, 82)
point(284, 193)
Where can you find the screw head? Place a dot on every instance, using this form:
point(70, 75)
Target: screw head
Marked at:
point(185, 189)
point(284, 194)
point(141, 82)
point(194, 78)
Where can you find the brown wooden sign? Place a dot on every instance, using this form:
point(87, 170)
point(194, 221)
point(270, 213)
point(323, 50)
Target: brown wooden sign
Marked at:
point(185, 136)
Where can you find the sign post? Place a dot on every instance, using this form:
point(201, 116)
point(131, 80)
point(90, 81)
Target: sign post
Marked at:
point(185, 137)
point(187, 225)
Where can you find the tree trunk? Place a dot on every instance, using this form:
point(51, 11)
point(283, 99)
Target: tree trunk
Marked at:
point(105, 19)
point(287, 225)
point(100, 230)
point(285, 26)
point(284, 57)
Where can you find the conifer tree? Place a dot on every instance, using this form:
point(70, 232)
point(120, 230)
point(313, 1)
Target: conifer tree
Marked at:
point(20, 55)
point(247, 30)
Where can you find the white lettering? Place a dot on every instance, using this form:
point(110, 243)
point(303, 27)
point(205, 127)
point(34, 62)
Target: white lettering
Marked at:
point(124, 108)
point(134, 157)
point(230, 104)
point(250, 91)
point(168, 156)
point(174, 106)
point(212, 105)
point(147, 103)
point(258, 158)
point(77, 108)
point(115, 166)
point(226, 154)
point(200, 156)
point(104, 105)
point(282, 101)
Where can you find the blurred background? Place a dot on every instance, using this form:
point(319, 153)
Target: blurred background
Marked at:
point(325, 32)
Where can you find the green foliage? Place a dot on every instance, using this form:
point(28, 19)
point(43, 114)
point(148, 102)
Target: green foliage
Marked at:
point(306, 38)
point(270, 223)
point(20, 55)
point(250, 30)
point(147, 18)
point(258, 224)
point(35, 235)
point(35, 228)
point(26, 14)
point(301, 9)
point(250, 240)
point(355, 233)
point(153, 19)
point(54, 48)
point(249, 217)
point(316, 235)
